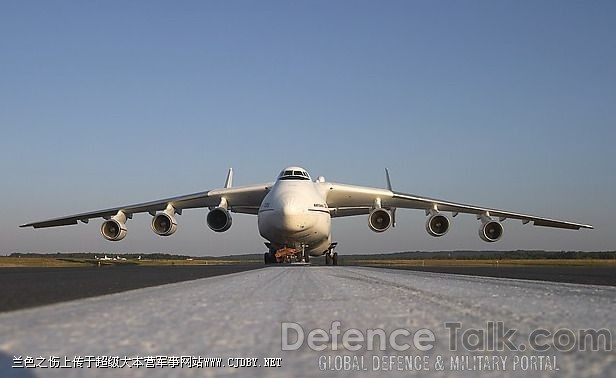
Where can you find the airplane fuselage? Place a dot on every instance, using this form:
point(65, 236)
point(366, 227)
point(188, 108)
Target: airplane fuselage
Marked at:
point(295, 213)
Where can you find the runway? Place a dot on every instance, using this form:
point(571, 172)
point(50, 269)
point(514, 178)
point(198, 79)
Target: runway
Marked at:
point(591, 275)
point(241, 315)
point(30, 287)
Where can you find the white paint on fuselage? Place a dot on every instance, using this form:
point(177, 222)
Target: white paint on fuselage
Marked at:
point(294, 212)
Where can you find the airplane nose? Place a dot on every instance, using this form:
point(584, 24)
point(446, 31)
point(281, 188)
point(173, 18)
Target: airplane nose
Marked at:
point(291, 217)
point(289, 209)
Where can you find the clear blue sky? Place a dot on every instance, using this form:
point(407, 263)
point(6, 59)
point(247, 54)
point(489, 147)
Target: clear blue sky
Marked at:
point(510, 104)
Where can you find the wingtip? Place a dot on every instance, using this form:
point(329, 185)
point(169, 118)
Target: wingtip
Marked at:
point(586, 226)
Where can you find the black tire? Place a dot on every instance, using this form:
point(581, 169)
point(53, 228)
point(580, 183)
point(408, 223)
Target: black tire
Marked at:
point(327, 258)
point(335, 258)
point(269, 258)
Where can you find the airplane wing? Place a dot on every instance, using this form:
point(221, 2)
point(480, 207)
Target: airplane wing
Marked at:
point(346, 200)
point(246, 199)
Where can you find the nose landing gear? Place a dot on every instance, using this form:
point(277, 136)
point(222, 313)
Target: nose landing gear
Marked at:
point(269, 258)
point(298, 256)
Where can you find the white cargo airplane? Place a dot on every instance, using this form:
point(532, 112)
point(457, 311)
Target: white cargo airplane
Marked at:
point(295, 212)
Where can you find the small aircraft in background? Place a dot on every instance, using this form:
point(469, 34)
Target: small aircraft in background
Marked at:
point(115, 258)
point(105, 258)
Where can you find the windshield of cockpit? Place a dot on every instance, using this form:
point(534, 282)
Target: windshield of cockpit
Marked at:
point(292, 174)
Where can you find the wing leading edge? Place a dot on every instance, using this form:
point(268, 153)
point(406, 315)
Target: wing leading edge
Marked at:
point(347, 200)
point(240, 199)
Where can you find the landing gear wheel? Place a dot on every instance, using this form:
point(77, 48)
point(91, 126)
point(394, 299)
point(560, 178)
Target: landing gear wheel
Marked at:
point(327, 258)
point(306, 257)
point(335, 258)
point(269, 258)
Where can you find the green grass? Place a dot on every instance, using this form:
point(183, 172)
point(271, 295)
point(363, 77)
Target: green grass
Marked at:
point(53, 262)
point(59, 261)
point(482, 262)
point(42, 262)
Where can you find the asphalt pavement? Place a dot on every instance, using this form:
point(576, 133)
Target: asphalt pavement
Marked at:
point(30, 287)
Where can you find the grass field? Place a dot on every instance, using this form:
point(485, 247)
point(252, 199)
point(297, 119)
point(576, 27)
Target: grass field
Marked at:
point(44, 262)
point(469, 262)
point(52, 262)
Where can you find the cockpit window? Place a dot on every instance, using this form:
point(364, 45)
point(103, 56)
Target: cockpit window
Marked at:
point(293, 175)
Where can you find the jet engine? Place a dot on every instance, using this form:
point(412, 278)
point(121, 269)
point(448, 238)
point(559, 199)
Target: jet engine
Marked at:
point(164, 224)
point(379, 220)
point(437, 225)
point(114, 229)
point(490, 231)
point(219, 219)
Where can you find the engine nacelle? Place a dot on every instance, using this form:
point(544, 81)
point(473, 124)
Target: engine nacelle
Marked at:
point(379, 220)
point(113, 229)
point(164, 224)
point(491, 231)
point(219, 219)
point(437, 225)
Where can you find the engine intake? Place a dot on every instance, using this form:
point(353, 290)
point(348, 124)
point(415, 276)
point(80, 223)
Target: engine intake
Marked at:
point(437, 225)
point(379, 220)
point(164, 224)
point(113, 229)
point(219, 219)
point(491, 231)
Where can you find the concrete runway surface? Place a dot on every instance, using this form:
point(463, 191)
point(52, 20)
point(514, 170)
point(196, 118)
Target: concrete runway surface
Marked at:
point(240, 315)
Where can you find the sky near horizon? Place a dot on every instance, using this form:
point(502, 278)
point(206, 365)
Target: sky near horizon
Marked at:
point(505, 104)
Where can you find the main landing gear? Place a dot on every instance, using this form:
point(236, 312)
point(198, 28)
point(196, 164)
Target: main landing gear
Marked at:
point(331, 256)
